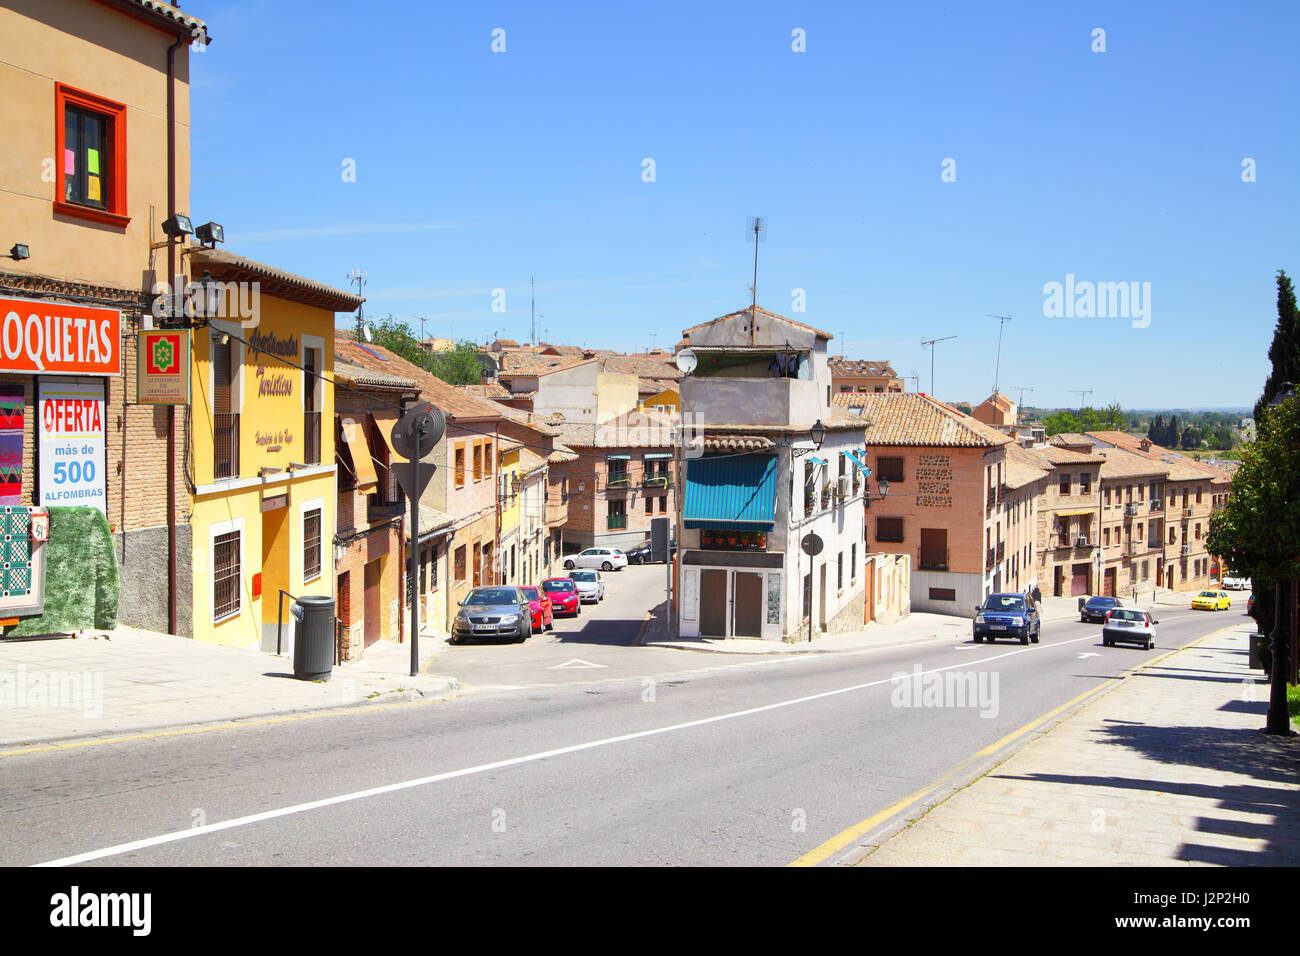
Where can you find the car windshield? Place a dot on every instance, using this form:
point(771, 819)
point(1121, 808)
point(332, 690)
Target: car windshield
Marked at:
point(557, 585)
point(531, 594)
point(584, 576)
point(493, 596)
point(1102, 602)
point(1004, 602)
point(1125, 615)
point(1208, 594)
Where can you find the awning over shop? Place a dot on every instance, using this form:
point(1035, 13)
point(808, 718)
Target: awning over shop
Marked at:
point(384, 420)
point(731, 491)
point(659, 454)
point(816, 461)
point(859, 461)
point(617, 457)
point(354, 436)
point(1076, 512)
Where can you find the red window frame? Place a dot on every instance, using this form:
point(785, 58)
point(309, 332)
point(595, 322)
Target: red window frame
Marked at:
point(115, 213)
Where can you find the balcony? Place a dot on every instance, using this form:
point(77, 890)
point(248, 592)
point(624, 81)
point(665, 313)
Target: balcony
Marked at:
point(378, 510)
point(225, 446)
point(311, 438)
point(932, 559)
point(1130, 510)
point(658, 480)
point(1156, 504)
point(618, 481)
point(616, 522)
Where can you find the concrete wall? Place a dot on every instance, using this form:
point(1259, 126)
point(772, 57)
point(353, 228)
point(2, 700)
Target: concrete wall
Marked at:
point(572, 392)
point(142, 598)
point(969, 588)
point(752, 401)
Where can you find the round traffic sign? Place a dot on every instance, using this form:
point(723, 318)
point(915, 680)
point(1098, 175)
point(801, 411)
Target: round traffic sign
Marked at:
point(812, 544)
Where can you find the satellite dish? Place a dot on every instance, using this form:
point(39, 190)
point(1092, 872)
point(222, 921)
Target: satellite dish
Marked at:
point(686, 361)
point(365, 330)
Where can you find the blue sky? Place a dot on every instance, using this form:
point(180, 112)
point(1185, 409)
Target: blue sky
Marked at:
point(475, 170)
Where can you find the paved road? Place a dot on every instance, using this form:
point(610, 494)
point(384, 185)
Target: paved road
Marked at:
point(711, 761)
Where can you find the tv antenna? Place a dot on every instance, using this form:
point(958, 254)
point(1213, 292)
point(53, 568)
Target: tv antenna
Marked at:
point(1081, 392)
point(421, 318)
point(916, 380)
point(930, 344)
point(758, 226)
point(358, 276)
point(1023, 389)
point(997, 365)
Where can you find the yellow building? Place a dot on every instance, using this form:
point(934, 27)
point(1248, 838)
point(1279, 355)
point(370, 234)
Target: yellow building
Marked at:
point(664, 401)
point(265, 493)
point(508, 538)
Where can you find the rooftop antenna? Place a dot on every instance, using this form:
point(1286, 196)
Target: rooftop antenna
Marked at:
point(1081, 392)
point(359, 277)
point(916, 380)
point(930, 344)
point(757, 225)
point(1023, 389)
point(997, 365)
point(421, 318)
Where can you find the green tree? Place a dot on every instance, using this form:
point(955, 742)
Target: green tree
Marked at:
point(1060, 422)
point(1156, 430)
point(1191, 438)
point(459, 366)
point(1284, 352)
point(398, 338)
point(1171, 433)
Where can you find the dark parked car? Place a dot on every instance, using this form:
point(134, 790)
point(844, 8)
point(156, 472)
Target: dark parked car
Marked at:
point(642, 553)
point(1095, 609)
point(493, 612)
point(1007, 615)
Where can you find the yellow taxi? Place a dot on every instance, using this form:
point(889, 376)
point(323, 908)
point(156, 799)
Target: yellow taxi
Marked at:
point(1211, 601)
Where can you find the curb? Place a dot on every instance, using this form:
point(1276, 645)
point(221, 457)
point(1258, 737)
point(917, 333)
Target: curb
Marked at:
point(973, 769)
point(450, 686)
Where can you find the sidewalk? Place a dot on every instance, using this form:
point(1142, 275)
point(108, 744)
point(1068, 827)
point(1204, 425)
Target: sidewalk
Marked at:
point(918, 627)
point(131, 681)
point(1169, 768)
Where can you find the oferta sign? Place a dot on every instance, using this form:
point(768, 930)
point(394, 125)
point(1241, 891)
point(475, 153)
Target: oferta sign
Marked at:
point(58, 338)
point(162, 367)
point(70, 443)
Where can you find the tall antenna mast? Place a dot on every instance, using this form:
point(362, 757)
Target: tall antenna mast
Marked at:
point(756, 226)
point(1023, 389)
point(1081, 392)
point(358, 276)
point(532, 308)
point(930, 344)
point(997, 365)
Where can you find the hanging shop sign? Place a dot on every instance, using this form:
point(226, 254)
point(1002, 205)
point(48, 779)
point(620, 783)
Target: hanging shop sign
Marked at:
point(57, 338)
point(162, 367)
point(70, 419)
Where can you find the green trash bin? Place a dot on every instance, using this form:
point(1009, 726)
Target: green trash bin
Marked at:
point(313, 642)
point(1260, 652)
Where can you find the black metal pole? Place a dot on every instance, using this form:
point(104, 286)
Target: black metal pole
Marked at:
point(1279, 720)
point(415, 556)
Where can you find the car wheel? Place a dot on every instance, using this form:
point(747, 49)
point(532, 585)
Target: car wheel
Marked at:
point(1151, 645)
point(979, 639)
point(1025, 639)
point(568, 565)
point(523, 635)
point(1036, 635)
point(606, 566)
point(549, 625)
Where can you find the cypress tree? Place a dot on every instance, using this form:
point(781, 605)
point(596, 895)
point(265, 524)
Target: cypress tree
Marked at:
point(1284, 353)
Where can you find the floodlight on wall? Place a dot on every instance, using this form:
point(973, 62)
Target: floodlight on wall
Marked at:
point(19, 252)
point(210, 233)
point(177, 226)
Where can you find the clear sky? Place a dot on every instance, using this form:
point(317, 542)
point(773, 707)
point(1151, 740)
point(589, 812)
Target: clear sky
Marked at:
point(475, 169)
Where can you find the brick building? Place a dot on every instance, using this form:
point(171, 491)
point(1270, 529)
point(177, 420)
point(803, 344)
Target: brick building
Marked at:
point(1069, 519)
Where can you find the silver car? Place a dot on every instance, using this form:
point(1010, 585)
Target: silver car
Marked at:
point(1129, 626)
point(607, 559)
point(590, 584)
point(493, 612)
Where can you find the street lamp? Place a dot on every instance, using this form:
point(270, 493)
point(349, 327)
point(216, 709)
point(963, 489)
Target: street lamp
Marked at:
point(882, 489)
point(817, 433)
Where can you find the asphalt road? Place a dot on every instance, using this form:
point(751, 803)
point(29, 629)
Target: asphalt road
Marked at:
point(662, 757)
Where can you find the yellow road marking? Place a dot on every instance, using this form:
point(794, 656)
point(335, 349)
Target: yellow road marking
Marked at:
point(228, 725)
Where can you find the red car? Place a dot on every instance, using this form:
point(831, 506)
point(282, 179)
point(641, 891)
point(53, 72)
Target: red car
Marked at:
point(543, 610)
point(564, 595)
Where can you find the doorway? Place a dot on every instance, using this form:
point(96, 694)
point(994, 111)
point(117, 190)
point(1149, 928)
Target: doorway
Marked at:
point(747, 605)
point(713, 603)
point(374, 575)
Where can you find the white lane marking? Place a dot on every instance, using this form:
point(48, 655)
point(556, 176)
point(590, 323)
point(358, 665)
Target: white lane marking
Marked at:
point(576, 662)
point(191, 832)
point(1089, 654)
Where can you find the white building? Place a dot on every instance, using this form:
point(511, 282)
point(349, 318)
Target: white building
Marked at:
point(755, 485)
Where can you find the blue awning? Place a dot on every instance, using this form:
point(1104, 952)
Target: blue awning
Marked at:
point(859, 460)
point(731, 491)
point(816, 461)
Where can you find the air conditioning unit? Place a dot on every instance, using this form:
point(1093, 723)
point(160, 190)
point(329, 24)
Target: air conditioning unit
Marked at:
point(1080, 542)
point(842, 487)
point(1130, 510)
point(1187, 512)
point(1187, 549)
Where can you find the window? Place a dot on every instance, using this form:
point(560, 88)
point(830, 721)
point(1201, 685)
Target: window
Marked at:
point(889, 529)
point(839, 571)
point(1198, 531)
point(225, 576)
point(1172, 534)
point(1065, 484)
point(890, 469)
point(460, 466)
point(853, 563)
point(1198, 494)
point(1105, 537)
point(311, 545)
point(943, 594)
point(311, 363)
point(478, 461)
point(458, 571)
point(90, 148)
point(663, 504)
point(648, 503)
point(1085, 484)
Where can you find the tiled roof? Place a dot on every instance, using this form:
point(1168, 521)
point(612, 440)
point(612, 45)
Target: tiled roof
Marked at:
point(1177, 466)
point(562, 453)
point(646, 366)
point(351, 374)
point(761, 313)
point(527, 419)
point(562, 349)
point(283, 285)
point(632, 429)
point(488, 389)
point(167, 14)
point(913, 418)
point(431, 519)
point(1124, 464)
point(454, 402)
point(859, 368)
point(999, 401)
point(737, 443)
point(1069, 438)
point(1057, 456)
point(1023, 467)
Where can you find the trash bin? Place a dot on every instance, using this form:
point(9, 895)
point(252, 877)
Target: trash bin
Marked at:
point(1260, 652)
point(1082, 601)
point(313, 642)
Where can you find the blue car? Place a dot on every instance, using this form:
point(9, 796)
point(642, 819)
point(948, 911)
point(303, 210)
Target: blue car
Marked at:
point(1007, 615)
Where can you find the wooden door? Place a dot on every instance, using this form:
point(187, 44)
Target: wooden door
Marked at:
point(1108, 582)
point(747, 605)
point(371, 628)
point(1078, 580)
point(713, 603)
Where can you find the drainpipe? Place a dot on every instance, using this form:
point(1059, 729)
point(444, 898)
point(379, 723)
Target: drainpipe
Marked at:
point(171, 277)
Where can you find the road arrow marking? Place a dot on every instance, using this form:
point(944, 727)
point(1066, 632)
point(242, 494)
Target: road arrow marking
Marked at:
point(1091, 654)
point(576, 662)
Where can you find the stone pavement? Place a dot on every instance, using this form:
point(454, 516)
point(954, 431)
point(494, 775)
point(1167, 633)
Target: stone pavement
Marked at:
point(1170, 767)
point(130, 680)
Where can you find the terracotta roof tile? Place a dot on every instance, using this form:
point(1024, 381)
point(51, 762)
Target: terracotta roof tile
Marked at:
point(859, 368)
point(1023, 467)
point(761, 313)
point(454, 402)
point(913, 418)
